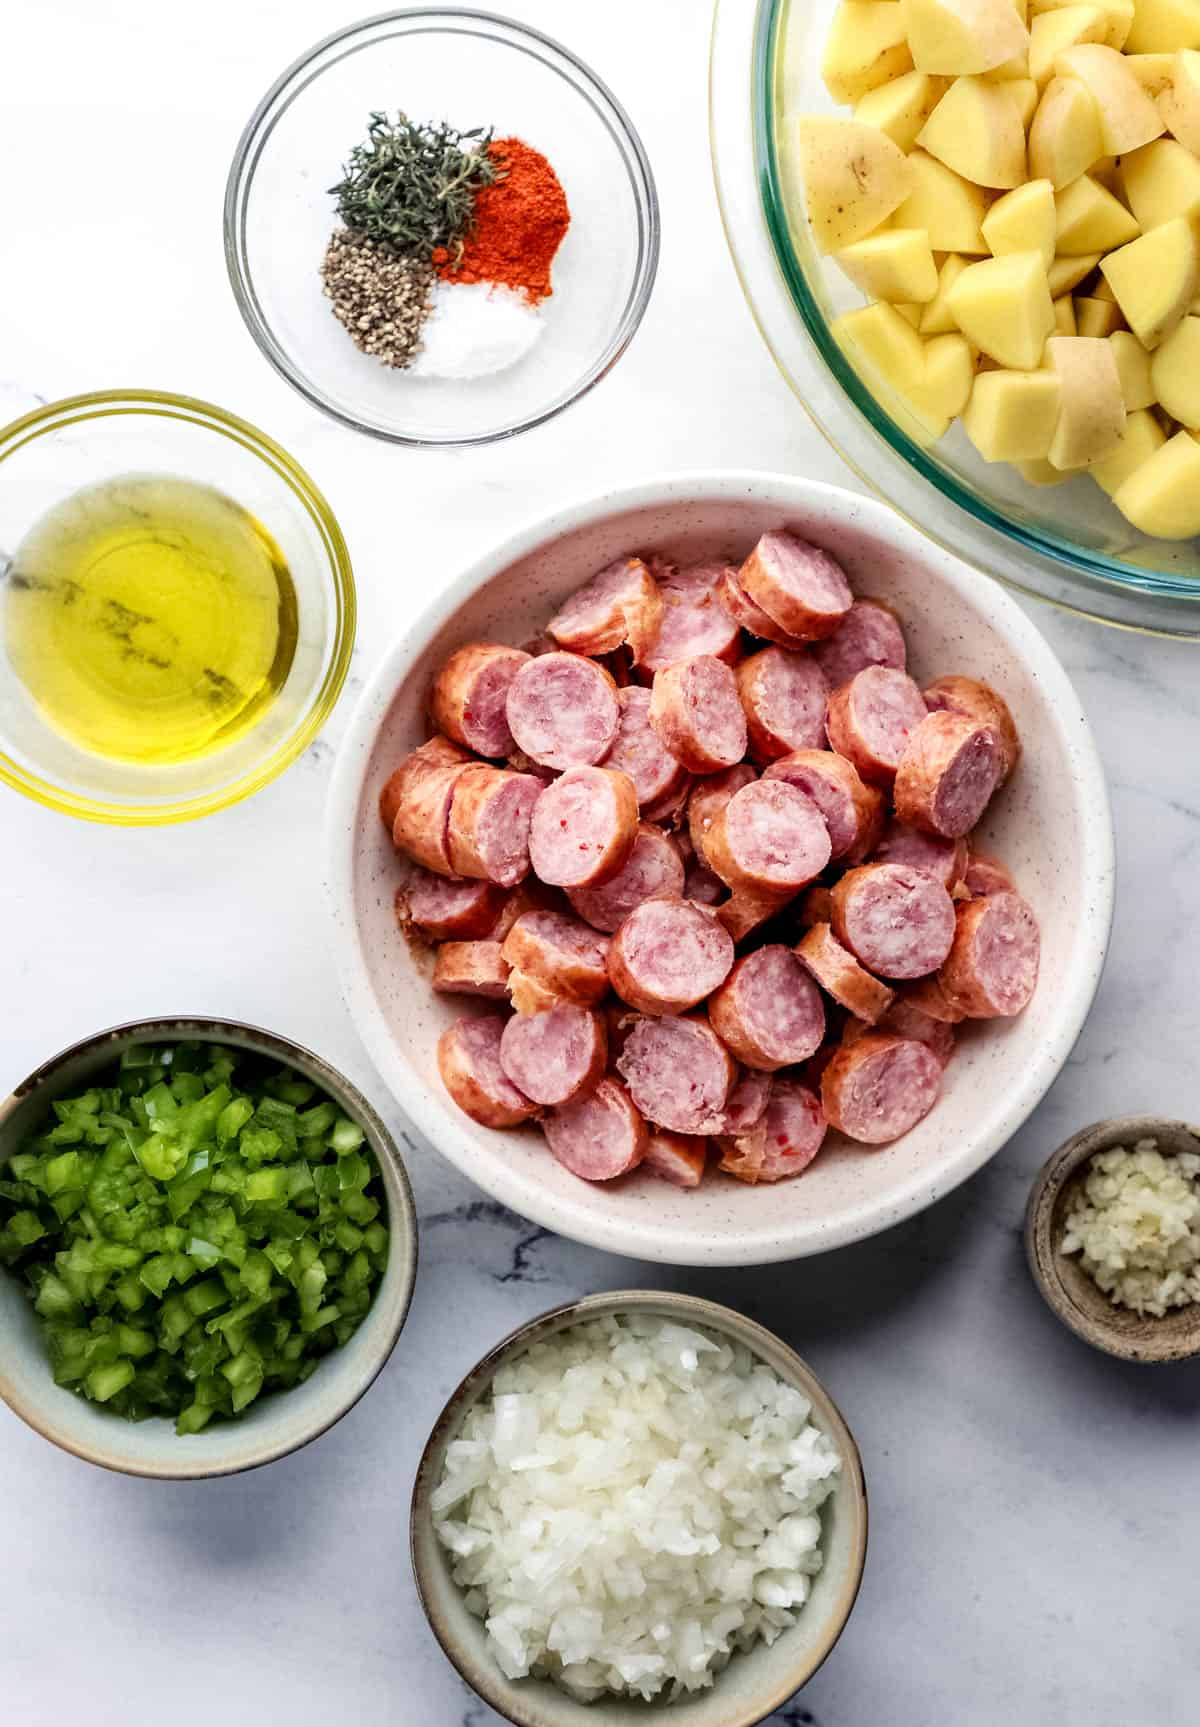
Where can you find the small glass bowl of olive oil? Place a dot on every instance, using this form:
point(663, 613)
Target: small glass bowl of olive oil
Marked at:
point(176, 608)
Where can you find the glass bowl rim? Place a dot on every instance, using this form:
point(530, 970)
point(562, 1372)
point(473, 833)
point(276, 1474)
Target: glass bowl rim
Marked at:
point(294, 80)
point(103, 404)
point(1068, 554)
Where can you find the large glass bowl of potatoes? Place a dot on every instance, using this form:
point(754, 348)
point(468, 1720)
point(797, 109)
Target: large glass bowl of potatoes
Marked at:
point(970, 235)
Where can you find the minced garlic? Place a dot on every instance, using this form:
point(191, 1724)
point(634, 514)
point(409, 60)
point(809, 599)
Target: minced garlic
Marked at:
point(1136, 1227)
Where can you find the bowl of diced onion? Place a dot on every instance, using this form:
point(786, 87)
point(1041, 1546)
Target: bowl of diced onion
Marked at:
point(295, 1366)
point(639, 1500)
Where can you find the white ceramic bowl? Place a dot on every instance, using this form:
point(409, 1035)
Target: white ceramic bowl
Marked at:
point(274, 1425)
point(1051, 824)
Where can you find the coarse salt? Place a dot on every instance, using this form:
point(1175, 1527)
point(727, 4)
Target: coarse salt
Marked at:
point(475, 329)
point(634, 1502)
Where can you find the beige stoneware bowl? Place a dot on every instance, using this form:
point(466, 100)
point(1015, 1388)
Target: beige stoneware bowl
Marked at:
point(1051, 823)
point(754, 1684)
point(274, 1425)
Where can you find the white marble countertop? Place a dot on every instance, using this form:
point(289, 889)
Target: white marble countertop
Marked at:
point(1033, 1552)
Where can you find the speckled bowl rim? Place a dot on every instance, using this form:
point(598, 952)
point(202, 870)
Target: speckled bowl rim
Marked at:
point(484, 1677)
point(1041, 1250)
point(402, 1249)
point(435, 1116)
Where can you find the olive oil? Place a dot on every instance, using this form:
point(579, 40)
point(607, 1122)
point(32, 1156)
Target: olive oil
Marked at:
point(150, 618)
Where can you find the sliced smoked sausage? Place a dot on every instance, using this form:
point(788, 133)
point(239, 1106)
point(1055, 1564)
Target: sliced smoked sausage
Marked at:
point(768, 1011)
point(560, 952)
point(785, 1141)
point(583, 828)
point(620, 604)
point(668, 955)
point(555, 1056)
point(747, 909)
point(697, 715)
point(437, 752)
point(637, 750)
point(853, 810)
point(840, 975)
point(471, 968)
point(897, 921)
point(469, 1063)
point(599, 1136)
point(562, 710)
point(747, 1104)
point(930, 998)
point(471, 693)
point(985, 874)
point(769, 838)
point(426, 798)
point(710, 795)
point(679, 1072)
point(784, 696)
point(978, 701)
point(488, 834)
point(445, 910)
point(677, 1157)
point(693, 619)
point(950, 767)
point(798, 585)
point(751, 617)
point(880, 1086)
point(905, 1019)
point(653, 870)
point(870, 719)
point(944, 858)
point(868, 635)
point(992, 969)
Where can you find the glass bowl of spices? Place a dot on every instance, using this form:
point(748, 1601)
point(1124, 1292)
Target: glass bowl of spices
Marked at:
point(441, 228)
point(176, 608)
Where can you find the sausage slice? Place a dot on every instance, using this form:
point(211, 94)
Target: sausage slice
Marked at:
point(677, 1157)
point(950, 767)
point(620, 604)
point(583, 827)
point(798, 585)
point(905, 1019)
point(637, 750)
point(751, 617)
point(946, 859)
point(897, 921)
point(992, 969)
point(679, 1072)
point(697, 715)
point(853, 810)
point(599, 1136)
point(445, 910)
point(710, 795)
point(471, 968)
point(768, 1011)
point(880, 1086)
point(870, 719)
point(769, 838)
point(869, 635)
point(469, 1063)
point(470, 696)
point(653, 870)
point(668, 955)
point(840, 975)
point(560, 952)
point(784, 696)
point(556, 1056)
point(488, 834)
point(978, 701)
point(985, 874)
point(563, 710)
point(436, 753)
point(747, 909)
point(784, 1142)
point(693, 619)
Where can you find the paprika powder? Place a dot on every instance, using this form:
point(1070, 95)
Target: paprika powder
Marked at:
point(519, 223)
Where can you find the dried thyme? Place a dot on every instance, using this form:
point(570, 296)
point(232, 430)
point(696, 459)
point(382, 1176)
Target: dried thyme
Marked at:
point(413, 185)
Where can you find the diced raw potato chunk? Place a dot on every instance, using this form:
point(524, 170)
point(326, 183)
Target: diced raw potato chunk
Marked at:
point(1152, 71)
point(1003, 305)
point(900, 108)
point(1118, 15)
point(976, 130)
point(1067, 273)
point(1133, 369)
point(1175, 373)
point(1179, 103)
point(1128, 118)
point(1142, 435)
point(1161, 180)
point(1012, 415)
point(894, 265)
point(937, 318)
point(1090, 219)
point(1064, 316)
point(865, 47)
point(948, 207)
point(1024, 220)
point(1162, 25)
point(1155, 279)
point(854, 177)
point(1092, 413)
point(1052, 32)
point(1024, 93)
point(1162, 497)
point(944, 388)
point(1042, 474)
point(961, 37)
point(1096, 317)
point(881, 342)
point(910, 311)
point(1064, 135)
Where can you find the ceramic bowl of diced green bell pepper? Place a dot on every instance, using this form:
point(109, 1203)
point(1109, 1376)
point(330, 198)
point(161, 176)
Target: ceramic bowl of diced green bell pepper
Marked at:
point(207, 1248)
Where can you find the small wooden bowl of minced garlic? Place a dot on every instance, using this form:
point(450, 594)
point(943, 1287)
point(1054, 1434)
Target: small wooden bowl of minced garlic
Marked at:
point(1112, 1233)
